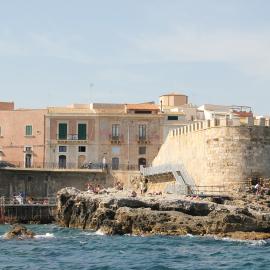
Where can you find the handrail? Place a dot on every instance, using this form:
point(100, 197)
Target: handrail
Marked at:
point(183, 180)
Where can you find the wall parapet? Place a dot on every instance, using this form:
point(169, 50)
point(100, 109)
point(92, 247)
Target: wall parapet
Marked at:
point(221, 122)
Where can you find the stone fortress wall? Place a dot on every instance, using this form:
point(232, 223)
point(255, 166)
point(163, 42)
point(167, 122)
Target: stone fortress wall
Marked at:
point(220, 151)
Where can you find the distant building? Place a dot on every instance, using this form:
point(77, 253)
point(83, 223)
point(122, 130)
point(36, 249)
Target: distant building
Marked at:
point(123, 134)
point(22, 135)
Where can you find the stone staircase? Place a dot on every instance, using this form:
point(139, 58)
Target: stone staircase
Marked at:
point(185, 184)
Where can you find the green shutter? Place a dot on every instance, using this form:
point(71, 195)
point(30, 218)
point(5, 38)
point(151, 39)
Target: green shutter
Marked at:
point(81, 131)
point(172, 117)
point(28, 130)
point(62, 131)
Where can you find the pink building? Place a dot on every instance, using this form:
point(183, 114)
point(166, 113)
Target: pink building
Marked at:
point(22, 136)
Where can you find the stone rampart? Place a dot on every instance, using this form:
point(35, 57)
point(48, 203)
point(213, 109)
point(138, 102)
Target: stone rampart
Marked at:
point(219, 151)
point(42, 183)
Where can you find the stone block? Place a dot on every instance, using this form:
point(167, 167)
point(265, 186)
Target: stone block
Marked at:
point(236, 121)
point(262, 122)
point(223, 122)
point(250, 121)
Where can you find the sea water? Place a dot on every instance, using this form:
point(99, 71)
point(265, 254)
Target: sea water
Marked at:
point(60, 248)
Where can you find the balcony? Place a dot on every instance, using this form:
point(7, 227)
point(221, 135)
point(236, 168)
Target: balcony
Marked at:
point(142, 139)
point(116, 138)
point(72, 138)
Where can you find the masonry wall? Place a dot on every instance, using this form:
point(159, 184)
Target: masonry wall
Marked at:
point(219, 154)
point(39, 183)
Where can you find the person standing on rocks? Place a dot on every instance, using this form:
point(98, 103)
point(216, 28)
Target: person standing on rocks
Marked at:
point(258, 187)
point(142, 185)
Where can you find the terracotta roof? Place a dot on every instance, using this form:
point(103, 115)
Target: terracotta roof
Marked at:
point(109, 111)
point(173, 94)
point(142, 107)
point(69, 110)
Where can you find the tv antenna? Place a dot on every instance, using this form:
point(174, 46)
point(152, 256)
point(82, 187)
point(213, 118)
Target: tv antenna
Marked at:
point(91, 85)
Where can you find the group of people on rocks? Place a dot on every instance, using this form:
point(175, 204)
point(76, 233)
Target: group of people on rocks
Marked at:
point(144, 188)
point(96, 190)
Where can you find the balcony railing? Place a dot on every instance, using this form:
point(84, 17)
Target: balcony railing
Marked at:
point(72, 137)
point(142, 138)
point(73, 165)
point(116, 138)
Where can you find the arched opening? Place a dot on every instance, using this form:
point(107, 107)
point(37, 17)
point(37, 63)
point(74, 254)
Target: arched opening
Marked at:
point(115, 163)
point(81, 161)
point(62, 162)
point(142, 161)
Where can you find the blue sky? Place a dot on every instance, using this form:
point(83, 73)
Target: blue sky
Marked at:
point(215, 52)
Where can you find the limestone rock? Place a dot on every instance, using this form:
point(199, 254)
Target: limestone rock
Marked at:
point(119, 213)
point(19, 232)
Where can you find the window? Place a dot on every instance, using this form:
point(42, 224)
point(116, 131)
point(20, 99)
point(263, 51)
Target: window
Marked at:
point(172, 117)
point(115, 132)
point(192, 117)
point(62, 131)
point(81, 131)
point(115, 163)
point(28, 149)
point(115, 150)
point(62, 149)
point(28, 130)
point(142, 150)
point(143, 112)
point(82, 149)
point(142, 132)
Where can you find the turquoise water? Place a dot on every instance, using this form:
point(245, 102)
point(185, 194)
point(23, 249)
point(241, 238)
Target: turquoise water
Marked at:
point(59, 248)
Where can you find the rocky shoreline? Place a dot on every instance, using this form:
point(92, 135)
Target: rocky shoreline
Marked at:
point(242, 217)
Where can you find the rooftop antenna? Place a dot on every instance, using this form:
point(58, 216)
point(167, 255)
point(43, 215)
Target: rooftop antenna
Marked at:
point(91, 85)
point(49, 99)
point(111, 96)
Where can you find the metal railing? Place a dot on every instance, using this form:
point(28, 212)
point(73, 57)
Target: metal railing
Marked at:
point(74, 165)
point(72, 137)
point(118, 137)
point(142, 138)
point(196, 190)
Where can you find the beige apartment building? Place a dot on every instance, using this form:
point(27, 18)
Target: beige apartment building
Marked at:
point(121, 136)
point(22, 136)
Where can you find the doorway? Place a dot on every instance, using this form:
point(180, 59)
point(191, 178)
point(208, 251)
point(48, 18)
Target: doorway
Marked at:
point(81, 161)
point(62, 162)
point(115, 163)
point(28, 161)
point(142, 161)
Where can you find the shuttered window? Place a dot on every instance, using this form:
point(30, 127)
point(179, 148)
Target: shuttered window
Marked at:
point(62, 131)
point(28, 130)
point(81, 131)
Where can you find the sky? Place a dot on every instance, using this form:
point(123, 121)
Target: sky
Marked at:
point(133, 51)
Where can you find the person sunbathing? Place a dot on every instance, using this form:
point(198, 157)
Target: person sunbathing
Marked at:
point(133, 194)
point(90, 188)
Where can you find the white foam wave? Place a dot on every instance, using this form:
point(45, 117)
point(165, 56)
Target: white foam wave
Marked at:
point(250, 242)
point(47, 235)
point(99, 232)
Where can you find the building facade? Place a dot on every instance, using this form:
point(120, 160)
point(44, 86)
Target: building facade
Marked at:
point(22, 136)
point(114, 135)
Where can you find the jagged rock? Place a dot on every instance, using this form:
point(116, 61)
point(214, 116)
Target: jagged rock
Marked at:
point(118, 213)
point(19, 232)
